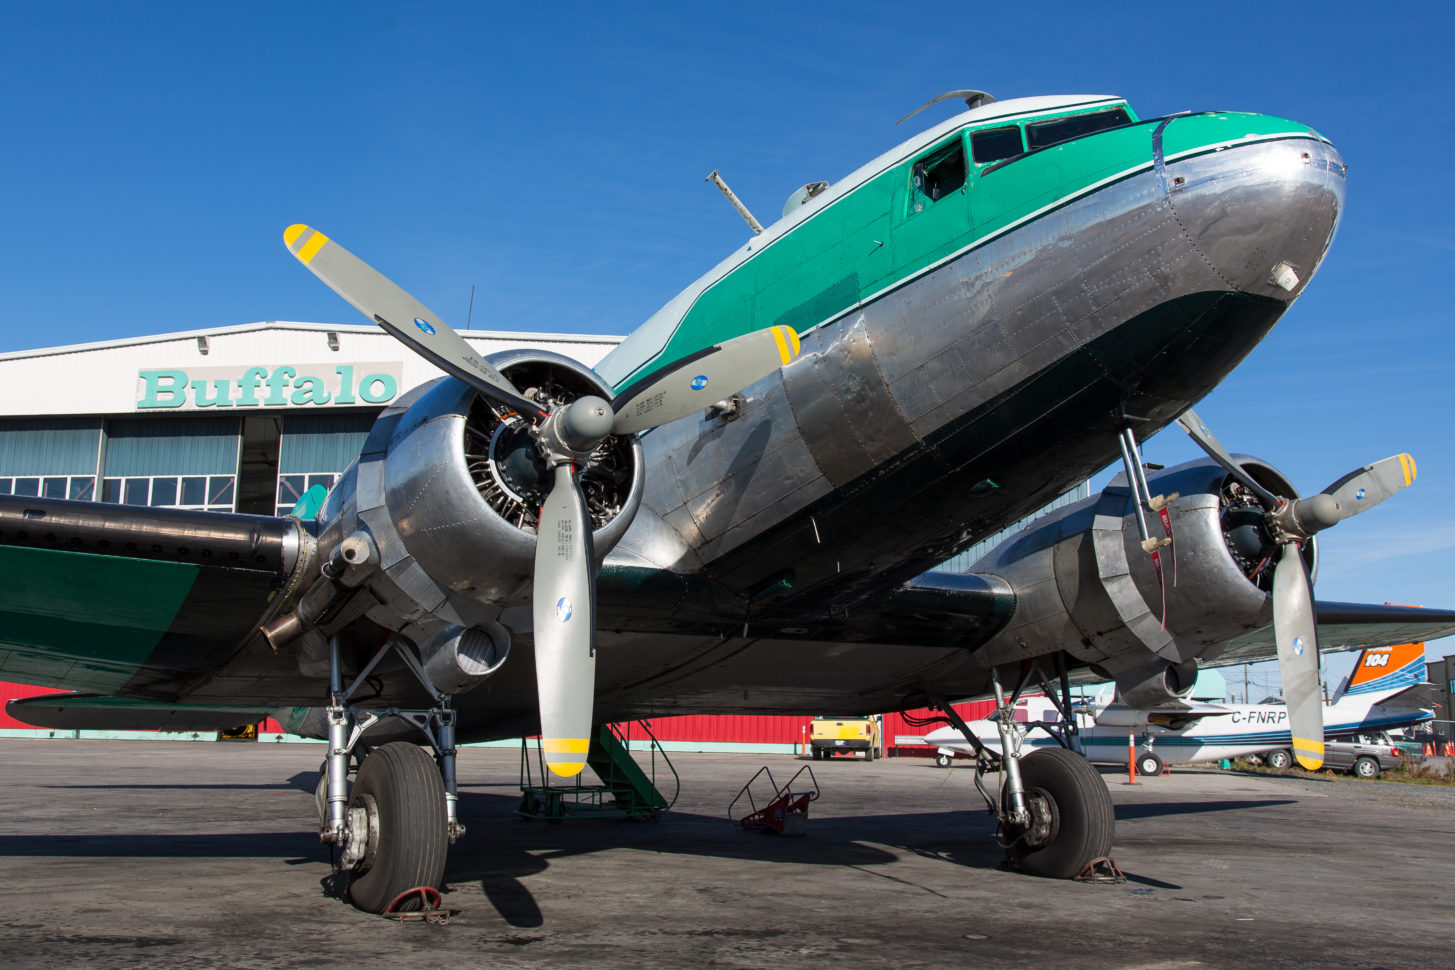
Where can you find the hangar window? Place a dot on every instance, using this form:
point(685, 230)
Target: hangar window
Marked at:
point(291, 488)
point(1044, 134)
point(51, 486)
point(995, 144)
point(937, 175)
point(211, 493)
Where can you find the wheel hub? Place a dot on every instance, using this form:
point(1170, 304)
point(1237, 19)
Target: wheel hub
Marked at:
point(1043, 824)
point(361, 839)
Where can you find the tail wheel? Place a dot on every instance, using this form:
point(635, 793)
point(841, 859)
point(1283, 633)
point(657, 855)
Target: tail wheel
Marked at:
point(943, 760)
point(398, 806)
point(1072, 821)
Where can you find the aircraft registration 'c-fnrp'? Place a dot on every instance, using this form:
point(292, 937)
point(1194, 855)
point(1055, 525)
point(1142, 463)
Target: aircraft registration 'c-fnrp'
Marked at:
point(736, 509)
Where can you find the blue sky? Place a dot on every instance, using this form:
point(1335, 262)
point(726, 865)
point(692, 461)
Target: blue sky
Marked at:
point(554, 158)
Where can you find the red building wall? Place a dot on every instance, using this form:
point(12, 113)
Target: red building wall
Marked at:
point(10, 692)
point(716, 728)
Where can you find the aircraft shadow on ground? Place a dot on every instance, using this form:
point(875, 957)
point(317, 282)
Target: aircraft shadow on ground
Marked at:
point(501, 849)
point(1158, 809)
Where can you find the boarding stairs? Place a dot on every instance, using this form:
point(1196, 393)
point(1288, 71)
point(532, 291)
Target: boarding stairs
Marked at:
point(626, 789)
point(785, 811)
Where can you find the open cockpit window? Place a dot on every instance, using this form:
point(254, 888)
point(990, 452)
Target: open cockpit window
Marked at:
point(995, 144)
point(937, 175)
point(1043, 134)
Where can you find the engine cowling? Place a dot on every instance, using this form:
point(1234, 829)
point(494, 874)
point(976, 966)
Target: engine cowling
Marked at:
point(432, 531)
point(1083, 581)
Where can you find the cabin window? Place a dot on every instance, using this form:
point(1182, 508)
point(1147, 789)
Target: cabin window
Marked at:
point(995, 144)
point(937, 175)
point(1043, 134)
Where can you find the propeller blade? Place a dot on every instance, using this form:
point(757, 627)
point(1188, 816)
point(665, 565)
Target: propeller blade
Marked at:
point(1298, 656)
point(564, 610)
point(1209, 443)
point(409, 321)
point(1368, 486)
point(695, 381)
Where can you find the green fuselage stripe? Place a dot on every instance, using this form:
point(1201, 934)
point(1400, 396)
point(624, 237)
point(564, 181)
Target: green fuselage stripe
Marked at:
point(872, 240)
point(85, 622)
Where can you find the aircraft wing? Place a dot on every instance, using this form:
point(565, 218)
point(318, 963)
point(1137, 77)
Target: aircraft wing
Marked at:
point(134, 601)
point(1349, 626)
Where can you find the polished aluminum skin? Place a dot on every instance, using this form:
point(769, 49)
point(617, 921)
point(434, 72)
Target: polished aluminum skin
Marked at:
point(446, 562)
point(1083, 582)
point(879, 381)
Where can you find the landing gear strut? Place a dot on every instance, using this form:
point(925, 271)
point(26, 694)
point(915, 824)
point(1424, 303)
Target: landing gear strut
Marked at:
point(1055, 813)
point(394, 828)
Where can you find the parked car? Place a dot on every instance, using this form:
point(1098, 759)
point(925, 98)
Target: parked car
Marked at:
point(1365, 755)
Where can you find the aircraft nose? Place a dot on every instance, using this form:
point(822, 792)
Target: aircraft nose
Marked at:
point(1262, 214)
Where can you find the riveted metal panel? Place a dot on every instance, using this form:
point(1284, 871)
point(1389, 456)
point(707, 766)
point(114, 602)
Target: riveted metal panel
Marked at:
point(842, 404)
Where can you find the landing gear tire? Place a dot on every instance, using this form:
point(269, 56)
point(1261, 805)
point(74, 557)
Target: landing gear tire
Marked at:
point(1366, 768)
point(398, 806)
point(1149, 763)
point(943, 760)
point(1280, 759)
point(1072, 821)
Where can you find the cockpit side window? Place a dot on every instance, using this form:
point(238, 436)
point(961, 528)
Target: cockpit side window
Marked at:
point(1043, 134)
point(937, 175)
point(994, 144)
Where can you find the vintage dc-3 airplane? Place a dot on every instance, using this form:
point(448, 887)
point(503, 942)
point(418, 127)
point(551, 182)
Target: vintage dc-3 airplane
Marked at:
point(906, 361)
point(1385, 691)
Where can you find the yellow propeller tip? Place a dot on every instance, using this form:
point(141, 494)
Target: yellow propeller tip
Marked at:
point(566, 770)
point(1310, 764)
point(291, 234)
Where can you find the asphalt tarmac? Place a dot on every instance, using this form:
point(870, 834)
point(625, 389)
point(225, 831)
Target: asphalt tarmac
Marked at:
point(157, 854)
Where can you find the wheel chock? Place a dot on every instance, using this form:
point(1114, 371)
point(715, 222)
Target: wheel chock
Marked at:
point(1101, 870)
point(429, 907)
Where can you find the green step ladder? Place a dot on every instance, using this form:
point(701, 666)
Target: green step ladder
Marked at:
point(626, 790)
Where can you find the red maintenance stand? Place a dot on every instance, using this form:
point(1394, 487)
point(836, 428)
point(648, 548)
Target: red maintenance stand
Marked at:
point(786, 810)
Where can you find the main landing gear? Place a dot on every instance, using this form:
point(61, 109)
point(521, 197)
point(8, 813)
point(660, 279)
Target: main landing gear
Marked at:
point(393, 829)
point(1055, 814)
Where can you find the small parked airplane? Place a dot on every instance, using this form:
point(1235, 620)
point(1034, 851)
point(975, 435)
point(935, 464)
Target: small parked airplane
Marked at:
point(735, 510)
point(1382, 693)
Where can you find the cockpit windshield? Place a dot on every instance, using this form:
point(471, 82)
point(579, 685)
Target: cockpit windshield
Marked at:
point(1043, 134)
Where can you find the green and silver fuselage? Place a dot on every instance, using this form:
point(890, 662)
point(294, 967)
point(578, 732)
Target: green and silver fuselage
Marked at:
point(972, 344)
point(968, 358)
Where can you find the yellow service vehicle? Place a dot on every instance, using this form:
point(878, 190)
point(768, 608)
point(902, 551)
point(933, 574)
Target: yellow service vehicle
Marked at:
point(830, 734)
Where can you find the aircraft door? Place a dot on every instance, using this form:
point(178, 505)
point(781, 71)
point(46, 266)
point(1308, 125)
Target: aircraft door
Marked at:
point(934, 216)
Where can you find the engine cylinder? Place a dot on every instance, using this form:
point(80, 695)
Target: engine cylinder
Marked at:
point(1083, 580)
point(449, 485)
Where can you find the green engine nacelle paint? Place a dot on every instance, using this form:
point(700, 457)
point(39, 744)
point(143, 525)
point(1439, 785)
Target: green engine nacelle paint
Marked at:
point(85, 622)
point(257, 386)
point(860, 246)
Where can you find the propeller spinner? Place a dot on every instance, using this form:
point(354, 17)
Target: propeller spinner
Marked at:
point(563, 599)
point(1292, 523)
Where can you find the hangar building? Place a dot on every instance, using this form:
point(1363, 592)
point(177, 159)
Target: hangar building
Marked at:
point(246, 419)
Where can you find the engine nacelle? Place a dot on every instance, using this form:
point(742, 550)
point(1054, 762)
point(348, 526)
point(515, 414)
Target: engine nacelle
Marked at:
point(432, 531)
point(1083, 581)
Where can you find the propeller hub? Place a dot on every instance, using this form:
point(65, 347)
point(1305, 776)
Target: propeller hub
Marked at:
point(573, 432)
point(1317, 512)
